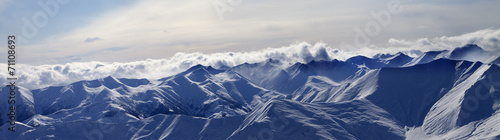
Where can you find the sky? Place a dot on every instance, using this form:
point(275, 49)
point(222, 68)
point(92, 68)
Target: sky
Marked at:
point(69, 31)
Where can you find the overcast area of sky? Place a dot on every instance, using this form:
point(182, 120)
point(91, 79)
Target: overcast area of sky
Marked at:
point(131, 30)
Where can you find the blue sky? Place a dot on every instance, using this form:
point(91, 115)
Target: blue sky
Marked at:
point(131, 30)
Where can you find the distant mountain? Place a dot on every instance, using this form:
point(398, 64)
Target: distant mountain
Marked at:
point(364, 61)
point(472, 52)
point(437, 95)
point(428, 57)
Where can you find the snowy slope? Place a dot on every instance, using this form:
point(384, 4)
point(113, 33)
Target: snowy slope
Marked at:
point(24, 104)
point(281, 119)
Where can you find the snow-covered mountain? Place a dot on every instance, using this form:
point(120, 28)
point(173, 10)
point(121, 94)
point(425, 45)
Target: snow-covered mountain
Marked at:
point(450, 94)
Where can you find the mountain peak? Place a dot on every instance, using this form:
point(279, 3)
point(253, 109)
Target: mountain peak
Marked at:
point(399, 59)
point(472, 52)
point(384, 56)
point(192, 69)
point(195, 67)
point(111, 82)
point(467, 48)
point(271, 61)
point(400, 55)
point(109, 78)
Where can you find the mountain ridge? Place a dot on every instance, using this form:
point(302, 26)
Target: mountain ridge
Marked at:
point(399, 96)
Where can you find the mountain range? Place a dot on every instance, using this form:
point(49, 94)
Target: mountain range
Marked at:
point(449, 94)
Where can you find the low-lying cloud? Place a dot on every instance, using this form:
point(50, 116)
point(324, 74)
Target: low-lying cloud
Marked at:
point(34, 77)
point(488, 39)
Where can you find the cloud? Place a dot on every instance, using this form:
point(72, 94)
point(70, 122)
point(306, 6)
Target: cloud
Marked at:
point(140, 26)
point(92, 39)
point(116, 49)
point(488, 39)
point(34, 77)
point(422, 27)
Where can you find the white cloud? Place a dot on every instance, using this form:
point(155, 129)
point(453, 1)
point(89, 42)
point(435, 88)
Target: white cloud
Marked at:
point(488, 39)
point(33, 77)
point(46, 75)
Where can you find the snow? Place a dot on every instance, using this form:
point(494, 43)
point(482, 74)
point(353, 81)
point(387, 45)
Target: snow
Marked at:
point(388, 96)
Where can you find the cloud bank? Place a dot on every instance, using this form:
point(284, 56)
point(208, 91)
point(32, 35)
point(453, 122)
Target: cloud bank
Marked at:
point(487, 38)
point(34, 77)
